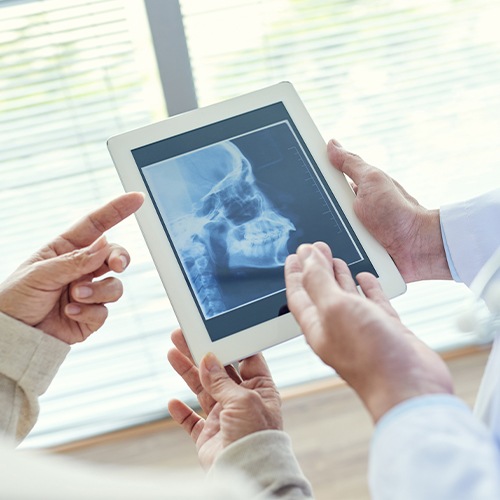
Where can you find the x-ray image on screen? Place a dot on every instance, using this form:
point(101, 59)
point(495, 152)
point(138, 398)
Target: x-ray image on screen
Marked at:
point(235, 209)
point(230, 237)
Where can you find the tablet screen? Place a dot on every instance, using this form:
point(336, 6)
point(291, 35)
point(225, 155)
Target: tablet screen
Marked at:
point(235, 198)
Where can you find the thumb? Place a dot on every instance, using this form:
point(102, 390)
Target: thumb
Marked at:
point(348, 163)
point(216, 381)
point(68, 267)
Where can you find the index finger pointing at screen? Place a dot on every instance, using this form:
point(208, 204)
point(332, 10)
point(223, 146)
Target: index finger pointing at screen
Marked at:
point(93, 225)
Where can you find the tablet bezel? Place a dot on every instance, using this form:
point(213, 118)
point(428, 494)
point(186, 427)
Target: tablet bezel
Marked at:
point(279, 329)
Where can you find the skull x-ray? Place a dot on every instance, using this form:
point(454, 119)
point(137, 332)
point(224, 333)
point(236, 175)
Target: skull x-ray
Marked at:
point(222, 224)
point(234, 208)
point(231, 216)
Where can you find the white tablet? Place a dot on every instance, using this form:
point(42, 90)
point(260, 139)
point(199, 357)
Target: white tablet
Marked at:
point(231, 190)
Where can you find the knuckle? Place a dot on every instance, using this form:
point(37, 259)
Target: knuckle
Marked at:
point(97, 223)
point(76, 258)
point(353, 156)
point(249, 398)
point(217, 382)
point(34, 269)
point(336, 308)
point(374, 175)
point(309, 276)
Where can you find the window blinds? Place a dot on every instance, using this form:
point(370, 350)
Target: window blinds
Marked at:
point(411, 86)
point(71, 75)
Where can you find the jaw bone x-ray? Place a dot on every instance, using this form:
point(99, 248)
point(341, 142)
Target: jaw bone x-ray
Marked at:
point(226, 231)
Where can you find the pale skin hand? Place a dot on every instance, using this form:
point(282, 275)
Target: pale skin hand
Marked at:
point(410, 233)
point(362, 338)
point(235, 404)
point(56, 291)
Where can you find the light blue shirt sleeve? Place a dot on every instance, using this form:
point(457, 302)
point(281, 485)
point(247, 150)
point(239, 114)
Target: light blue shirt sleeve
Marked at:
point(471, 234)
point(432, 447)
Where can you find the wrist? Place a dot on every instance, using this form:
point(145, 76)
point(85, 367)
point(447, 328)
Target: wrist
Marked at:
point(379, 406)
point(388, 393)
point(7, 306)
point(428, 255)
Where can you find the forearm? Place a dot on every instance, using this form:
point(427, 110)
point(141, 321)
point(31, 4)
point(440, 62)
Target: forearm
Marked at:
point(268, 459)
point(29, 359)
point(432, 447)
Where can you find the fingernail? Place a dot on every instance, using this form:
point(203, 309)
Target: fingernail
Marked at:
point(83, 292)
point(211, 362)
point(73, 309)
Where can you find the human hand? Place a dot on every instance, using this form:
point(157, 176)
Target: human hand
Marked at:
point(362, 338)
point(235, 404)
point(55, 290)
point(410, 233)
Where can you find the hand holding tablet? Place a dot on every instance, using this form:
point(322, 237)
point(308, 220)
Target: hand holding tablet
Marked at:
point(232, 189)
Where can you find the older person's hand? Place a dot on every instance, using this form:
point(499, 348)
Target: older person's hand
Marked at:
point(362, 338)
point(56, 290)
point(235, 404)
point(410, 233)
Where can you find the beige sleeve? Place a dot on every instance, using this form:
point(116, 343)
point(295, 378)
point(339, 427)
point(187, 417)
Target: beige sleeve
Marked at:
point(266, 457)
point(29, 359)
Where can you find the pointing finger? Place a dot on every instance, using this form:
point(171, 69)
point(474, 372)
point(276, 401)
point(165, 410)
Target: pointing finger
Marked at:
point(93, 225)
